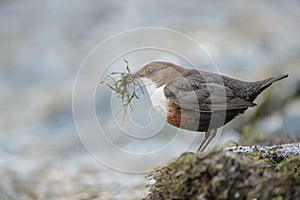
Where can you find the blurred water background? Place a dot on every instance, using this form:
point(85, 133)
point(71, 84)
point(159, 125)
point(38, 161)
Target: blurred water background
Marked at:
point(43, 43)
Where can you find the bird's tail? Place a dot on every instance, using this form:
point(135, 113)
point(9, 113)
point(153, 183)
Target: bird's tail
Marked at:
point(266, 83)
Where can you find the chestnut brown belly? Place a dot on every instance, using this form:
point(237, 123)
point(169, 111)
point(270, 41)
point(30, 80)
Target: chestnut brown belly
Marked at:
point(199, 121)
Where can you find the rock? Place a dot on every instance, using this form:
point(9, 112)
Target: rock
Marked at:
point(241, 172)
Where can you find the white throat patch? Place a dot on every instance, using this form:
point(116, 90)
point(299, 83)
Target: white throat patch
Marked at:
point(157, 97)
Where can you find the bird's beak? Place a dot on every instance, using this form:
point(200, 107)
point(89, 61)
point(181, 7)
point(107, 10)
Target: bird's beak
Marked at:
point(139, 73)
point(134, 75)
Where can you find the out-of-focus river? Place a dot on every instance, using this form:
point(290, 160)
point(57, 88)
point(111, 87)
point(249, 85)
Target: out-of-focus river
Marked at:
point(43, 44)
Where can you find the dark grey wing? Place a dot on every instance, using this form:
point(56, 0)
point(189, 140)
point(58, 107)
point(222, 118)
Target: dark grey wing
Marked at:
point(188, 93)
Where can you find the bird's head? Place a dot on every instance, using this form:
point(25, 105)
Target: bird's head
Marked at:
point(159, 72)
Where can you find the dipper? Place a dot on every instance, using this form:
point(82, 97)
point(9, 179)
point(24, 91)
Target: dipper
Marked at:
point(198, 100)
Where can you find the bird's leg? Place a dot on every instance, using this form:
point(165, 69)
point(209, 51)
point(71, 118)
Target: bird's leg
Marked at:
point(209, 135)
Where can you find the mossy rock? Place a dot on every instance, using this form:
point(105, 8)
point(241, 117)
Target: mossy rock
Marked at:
point(228, 174)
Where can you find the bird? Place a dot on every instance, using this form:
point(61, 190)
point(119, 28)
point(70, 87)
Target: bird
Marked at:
point(197, 100)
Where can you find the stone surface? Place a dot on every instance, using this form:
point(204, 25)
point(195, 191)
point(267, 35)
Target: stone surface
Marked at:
point(241, 172)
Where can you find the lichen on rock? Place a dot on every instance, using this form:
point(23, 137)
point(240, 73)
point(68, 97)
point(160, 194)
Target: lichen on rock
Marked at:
point(232, 173)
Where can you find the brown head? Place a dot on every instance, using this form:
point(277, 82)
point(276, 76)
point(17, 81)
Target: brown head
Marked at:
point(160, 72)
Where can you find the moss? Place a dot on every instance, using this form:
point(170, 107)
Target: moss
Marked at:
point(227, 175)
point(284, 184)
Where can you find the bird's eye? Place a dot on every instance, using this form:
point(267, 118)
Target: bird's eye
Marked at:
point(150, 70)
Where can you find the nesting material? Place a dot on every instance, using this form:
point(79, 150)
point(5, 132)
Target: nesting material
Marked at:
point(125, 86)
